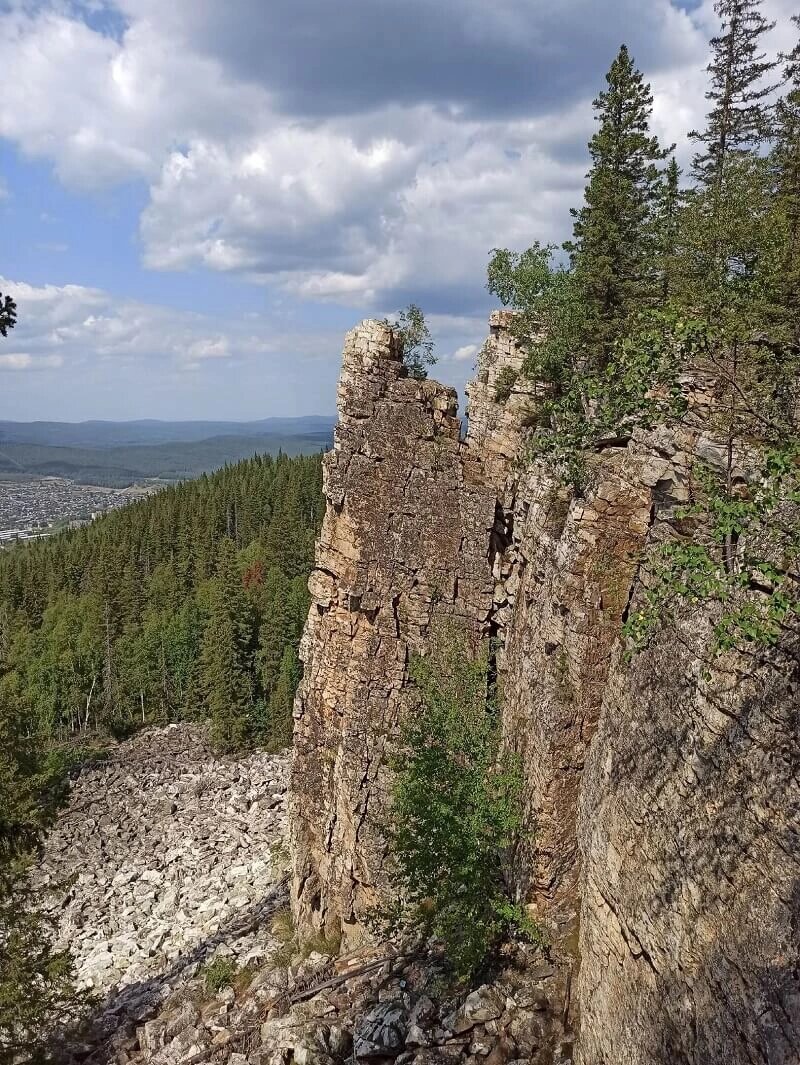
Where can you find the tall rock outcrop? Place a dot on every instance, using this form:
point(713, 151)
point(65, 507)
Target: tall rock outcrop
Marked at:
point(662, 791)
point(405, 536)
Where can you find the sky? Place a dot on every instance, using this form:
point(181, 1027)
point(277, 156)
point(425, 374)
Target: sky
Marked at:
point(198, 199)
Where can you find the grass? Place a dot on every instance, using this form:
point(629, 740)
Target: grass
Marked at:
point(219, 973)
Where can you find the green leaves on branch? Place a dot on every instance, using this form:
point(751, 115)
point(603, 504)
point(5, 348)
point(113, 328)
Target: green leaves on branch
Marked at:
point(456, 809)
point(415, 340)
point(756, 588)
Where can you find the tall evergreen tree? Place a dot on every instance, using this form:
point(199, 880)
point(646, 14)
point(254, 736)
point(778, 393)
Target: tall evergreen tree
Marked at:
point(667, 227)
point(739, 118)
point(612, 249)
point(226, 656)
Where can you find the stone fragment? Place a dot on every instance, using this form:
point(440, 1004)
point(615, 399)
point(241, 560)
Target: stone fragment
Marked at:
point(381, 1033)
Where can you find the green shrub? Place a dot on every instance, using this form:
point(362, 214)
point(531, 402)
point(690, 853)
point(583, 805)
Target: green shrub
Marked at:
point(456, 809)
point(218, 974)
point(504, 385)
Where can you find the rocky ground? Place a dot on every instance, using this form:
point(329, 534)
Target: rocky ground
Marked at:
point(164, 857)
point(175, 907)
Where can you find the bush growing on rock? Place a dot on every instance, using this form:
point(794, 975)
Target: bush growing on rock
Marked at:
point(456, 809)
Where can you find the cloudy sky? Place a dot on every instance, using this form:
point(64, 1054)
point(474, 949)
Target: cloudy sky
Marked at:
point(198, 198)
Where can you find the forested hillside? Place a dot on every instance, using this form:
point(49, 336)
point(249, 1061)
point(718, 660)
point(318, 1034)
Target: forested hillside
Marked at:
point(188, 604)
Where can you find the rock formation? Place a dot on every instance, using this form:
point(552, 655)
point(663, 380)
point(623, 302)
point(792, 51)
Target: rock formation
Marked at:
point(405, 535)
point(663, 791)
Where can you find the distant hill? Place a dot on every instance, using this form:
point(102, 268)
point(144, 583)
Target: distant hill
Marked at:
point(120, 453)
point(94, 434)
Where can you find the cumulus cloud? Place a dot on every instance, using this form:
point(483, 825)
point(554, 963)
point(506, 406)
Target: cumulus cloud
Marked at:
point(466, 353)
point(364, 153)
point(66, 326)
point(101, 355)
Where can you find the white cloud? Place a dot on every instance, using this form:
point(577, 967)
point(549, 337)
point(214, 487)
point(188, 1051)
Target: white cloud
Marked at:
point(73, 325)
point(289, 149)
point(210, 348)
point(19, 360)
point(466, 353)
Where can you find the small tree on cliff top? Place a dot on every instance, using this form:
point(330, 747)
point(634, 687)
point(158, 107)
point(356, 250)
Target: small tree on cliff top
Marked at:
point(415, 340)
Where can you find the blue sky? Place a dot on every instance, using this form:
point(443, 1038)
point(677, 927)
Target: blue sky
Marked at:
point(197, 200)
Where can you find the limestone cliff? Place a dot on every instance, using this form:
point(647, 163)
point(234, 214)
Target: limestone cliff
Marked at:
point(662, 791)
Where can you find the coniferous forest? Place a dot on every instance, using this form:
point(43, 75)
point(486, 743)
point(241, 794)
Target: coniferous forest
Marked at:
point(189, 604)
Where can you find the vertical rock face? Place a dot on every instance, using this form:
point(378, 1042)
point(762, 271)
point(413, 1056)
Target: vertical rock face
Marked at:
point(689, 829)
point(661, 793)
point(405, 535)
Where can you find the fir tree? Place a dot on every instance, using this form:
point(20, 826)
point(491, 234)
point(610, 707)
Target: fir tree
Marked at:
point(667, 227)
point(281, 703)
point(739, 119)
point(226, 655)
point(612, 249)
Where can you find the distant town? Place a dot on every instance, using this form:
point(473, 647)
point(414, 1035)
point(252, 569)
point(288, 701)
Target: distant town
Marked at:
point(41, 507)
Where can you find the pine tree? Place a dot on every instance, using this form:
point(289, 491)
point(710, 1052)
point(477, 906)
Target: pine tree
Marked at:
point(739, 119)
point(612, 249)
point(226, 656)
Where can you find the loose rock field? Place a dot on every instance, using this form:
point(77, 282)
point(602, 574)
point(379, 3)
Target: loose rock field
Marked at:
point(166, 856)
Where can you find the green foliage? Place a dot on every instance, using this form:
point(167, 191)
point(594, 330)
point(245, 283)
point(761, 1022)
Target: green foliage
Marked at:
point(504, 386)
point(613, 242)
point(671, 290)
point(35, 980)
point(755, 585)
point(456, 808)
point(187, 604)
point(219, 974)
point(8, 314)
point(415, 340)
point(36, 987)
point(226, 655)
point(549, 310)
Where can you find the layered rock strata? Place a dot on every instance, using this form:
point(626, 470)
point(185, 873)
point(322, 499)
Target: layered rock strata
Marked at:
point(405, 537)
point(661, 791)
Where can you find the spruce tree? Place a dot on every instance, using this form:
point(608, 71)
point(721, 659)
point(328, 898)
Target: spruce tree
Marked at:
point(612, 249)
point(667, 227)
point(739, 118)
point(226, 656)
point(281, 702)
